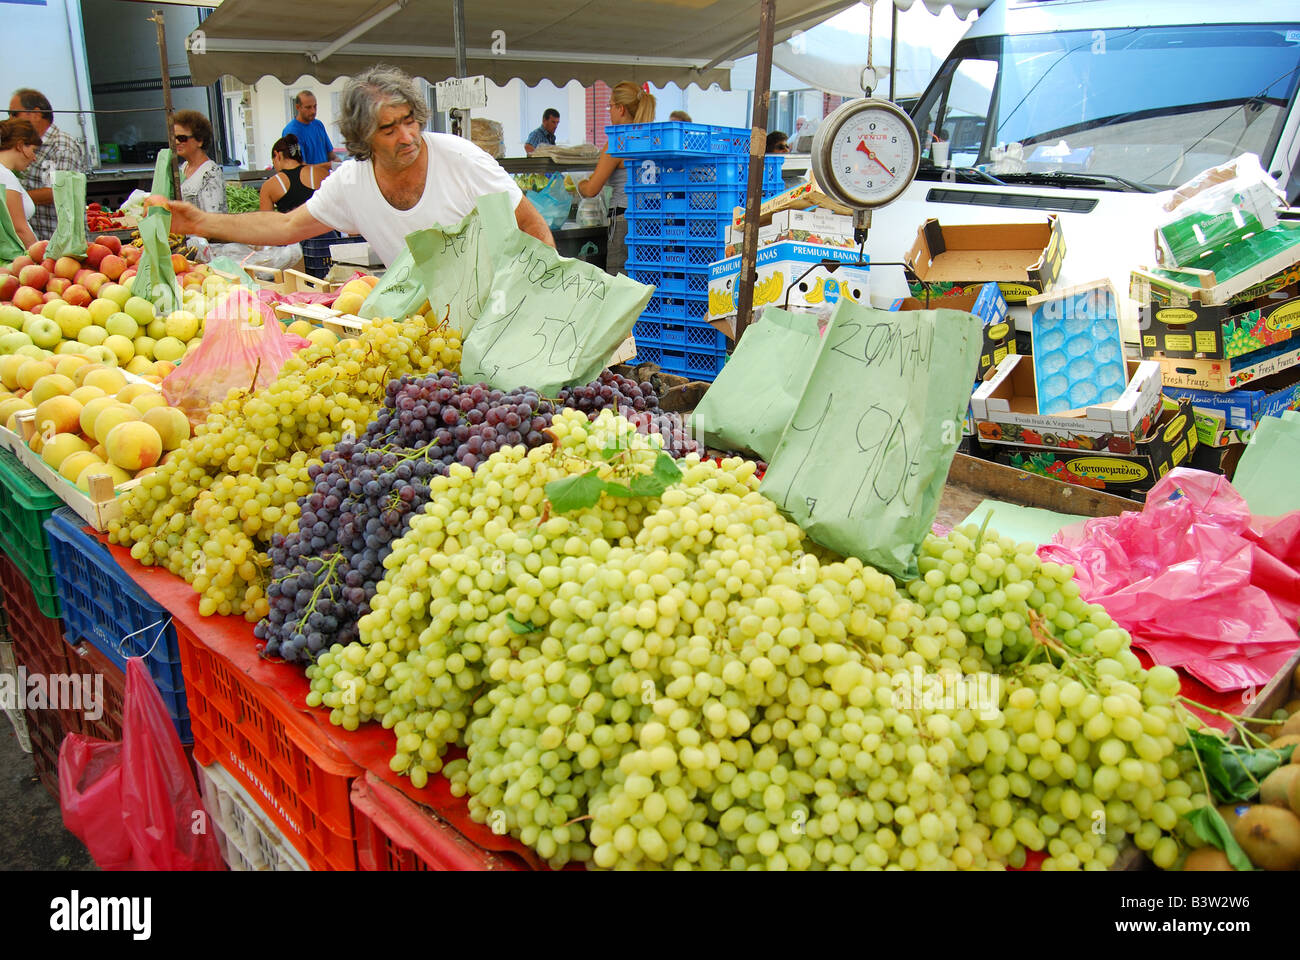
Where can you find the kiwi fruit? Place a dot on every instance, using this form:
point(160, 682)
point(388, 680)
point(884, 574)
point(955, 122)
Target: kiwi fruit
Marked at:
point(1292, 726)
point(1231, 813)
point(1270, 837)
point(1207, 858)
point(1293, 798)
point(1276, 787)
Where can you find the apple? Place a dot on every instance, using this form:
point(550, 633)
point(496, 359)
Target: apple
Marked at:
point(179, 263)
point(182, 325)
point(95, 252)
point(67, 267)
point(119, 324)
point(93, 282)
point(12, 340)
point(169, 348)
point(132, 254)
point(28, 298)
point(92, 335)
point(73, 319)
point(70, 348)
point(37, 250)
point(122, 347)
point(34, 275)
point(11, 316)
point(51, 296)
point(156, 328)
point(139, 309)
point(144, 346)
point(115, 292)
point(45, 333)
point(58, 285)
point(101, 310)
point(32, 352)
point(77, 295)
point(48, 263)
point(114, 244)
point(112, 266)
point(20, 262)
point(51, 308)
point(9, 285)
point(127, 279)
point(81, 276)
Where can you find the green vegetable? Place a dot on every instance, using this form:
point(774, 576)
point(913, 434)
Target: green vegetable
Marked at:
point(242, 199)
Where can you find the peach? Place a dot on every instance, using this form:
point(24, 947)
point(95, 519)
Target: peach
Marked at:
point(106, 378)
point(67, 267)
point(77, 295)
point(11, 405)
point(28, 298)
point(132, 445)
point(33, 370)
point(132, 390)
point(172, 426)
point(95, 252)
point(74, 463)
point(114, 244)
point(61, 446)
point(63, 412)
point(110, 417)
point(51, 385)
point(91, 410)
point(34, 275)
point(112, 266)
point(83, 395)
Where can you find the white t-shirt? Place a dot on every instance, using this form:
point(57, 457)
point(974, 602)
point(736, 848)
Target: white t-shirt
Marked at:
point(459, 173)
point(9, 181)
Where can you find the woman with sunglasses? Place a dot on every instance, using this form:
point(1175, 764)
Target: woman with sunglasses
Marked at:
point(202, 183)
point(19, 142)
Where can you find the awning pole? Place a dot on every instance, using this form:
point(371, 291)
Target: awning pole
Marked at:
point(160, 22)
point(462, 62)
point(893, 48)
point(757, 151)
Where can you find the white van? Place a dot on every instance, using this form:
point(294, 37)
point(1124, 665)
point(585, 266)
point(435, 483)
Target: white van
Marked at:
point(1110, 103)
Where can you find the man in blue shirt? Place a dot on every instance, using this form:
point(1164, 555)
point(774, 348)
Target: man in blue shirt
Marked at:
point(311, 133)
point(545, 133)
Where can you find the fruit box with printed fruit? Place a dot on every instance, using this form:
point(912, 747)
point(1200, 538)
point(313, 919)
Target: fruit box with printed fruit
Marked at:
point(1222, 331)
point(1226, 418)
point(779, 268)
point(1024, 259)
point(1005, 408)
point(1170, 445)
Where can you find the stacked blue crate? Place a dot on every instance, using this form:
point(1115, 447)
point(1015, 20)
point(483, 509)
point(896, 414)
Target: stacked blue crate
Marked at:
point(684, 180)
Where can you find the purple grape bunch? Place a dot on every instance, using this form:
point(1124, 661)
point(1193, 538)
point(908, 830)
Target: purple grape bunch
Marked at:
point(638, 403)
point(366, 491)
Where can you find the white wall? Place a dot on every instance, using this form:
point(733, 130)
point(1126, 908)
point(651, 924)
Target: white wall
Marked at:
point(38, 52)
point(271, 111)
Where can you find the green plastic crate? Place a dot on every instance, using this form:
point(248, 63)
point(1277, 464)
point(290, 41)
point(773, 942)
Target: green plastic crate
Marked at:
point(25, 505)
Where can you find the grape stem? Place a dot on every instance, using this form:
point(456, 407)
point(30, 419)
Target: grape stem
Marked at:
point(1235, 719)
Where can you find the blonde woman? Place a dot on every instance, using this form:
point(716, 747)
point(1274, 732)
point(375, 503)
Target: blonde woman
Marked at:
point(628, 103)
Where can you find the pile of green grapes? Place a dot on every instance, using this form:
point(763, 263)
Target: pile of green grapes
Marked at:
point(682, 681)
point(208, 513)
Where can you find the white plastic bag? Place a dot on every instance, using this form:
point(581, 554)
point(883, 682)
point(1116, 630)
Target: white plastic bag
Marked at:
point(277, 258)
point(592, 211)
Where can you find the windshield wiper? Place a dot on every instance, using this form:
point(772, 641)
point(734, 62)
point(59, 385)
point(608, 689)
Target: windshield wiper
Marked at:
point(1078, 179)
point(972, 173)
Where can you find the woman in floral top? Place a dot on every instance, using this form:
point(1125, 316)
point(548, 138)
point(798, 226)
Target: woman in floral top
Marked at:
point(202, 183)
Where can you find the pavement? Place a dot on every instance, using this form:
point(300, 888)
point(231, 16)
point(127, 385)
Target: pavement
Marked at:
point(32, 835)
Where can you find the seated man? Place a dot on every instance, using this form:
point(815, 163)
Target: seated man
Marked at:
point(400, 180)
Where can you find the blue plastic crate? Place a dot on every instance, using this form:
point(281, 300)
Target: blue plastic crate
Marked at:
point(659, 332)
point(687, 363)
point(675, 137)
point(677, 309)
point(655, 226)
point(679, 283)
point(648, 353)
point(689, 173)
point(647, 331)
point(105, 607)
point(681, 255)
point(316, 251)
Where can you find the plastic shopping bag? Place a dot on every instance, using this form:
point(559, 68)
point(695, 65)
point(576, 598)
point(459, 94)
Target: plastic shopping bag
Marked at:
point(1198, 582)
point(398, 294)
point(243, 348)
point(134, 804)
point(755, 395)
point(69, 238)
point(155, 280)
point(553, 201)
point(162, 174)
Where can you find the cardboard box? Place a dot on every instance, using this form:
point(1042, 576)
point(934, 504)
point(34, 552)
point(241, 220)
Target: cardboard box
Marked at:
point(1170, 444)
point(1224, 375)
point(1224, 418)
point(1221, 331)
point(799, 197)
point(1023, 258)
point(814, 220)
point(1178, 288)
point(1005, 409)
point(769, 235)
point(779, 267)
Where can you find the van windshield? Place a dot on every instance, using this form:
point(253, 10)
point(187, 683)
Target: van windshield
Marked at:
point(1151, 105)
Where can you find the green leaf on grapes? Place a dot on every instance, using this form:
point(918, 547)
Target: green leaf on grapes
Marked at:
point(618, 490)
point(620, 445)
point(518, 627)
point(1213, 829)
point(653, 484)
point(575, 493)
point(1235, 771)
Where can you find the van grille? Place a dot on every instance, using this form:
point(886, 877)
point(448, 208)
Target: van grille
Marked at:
point(1020, 201)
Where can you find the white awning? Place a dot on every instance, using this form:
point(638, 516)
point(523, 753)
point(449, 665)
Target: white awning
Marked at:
point(656, 41)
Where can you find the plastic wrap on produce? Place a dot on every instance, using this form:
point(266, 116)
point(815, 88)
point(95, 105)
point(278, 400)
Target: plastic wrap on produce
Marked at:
point(1199, 582)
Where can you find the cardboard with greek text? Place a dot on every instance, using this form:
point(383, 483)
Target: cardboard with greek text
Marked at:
point(549, 321)
point(862, 463)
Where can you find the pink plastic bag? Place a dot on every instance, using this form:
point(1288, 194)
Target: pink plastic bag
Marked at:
point(1198, 582)
point(234, 354)
point(134, 804)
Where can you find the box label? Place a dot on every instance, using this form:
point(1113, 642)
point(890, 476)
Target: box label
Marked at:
point(1285, 317)
point(1108, 469)
point(1207, 341)
point(1175, 316)
point(1178, 341)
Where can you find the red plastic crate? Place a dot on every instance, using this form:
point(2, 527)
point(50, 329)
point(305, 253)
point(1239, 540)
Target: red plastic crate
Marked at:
point(395, 833)
point(301, 779)
point(109, 724)
point(46, 732)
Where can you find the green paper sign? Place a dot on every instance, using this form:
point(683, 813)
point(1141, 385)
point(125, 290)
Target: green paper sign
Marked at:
point(549, 321)
point(863, 461)
point(155, 280)
point(453, 266)
point(162, 174)
point(753, 398)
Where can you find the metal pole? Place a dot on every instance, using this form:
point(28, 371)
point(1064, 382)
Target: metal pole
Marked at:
point(757, 150)
point(462, 62)
point(893, 49)
point(160, 21)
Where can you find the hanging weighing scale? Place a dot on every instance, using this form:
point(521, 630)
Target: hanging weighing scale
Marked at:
point(864, 155)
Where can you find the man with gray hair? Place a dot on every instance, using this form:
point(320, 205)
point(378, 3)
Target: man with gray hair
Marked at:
point(399, 180)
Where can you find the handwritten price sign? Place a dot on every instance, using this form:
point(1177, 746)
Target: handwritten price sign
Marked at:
point(863, 461)
point(549, 321)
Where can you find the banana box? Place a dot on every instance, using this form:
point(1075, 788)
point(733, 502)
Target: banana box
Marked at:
point(835, 272)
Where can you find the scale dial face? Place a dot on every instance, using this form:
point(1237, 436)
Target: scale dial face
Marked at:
point(866, 153)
